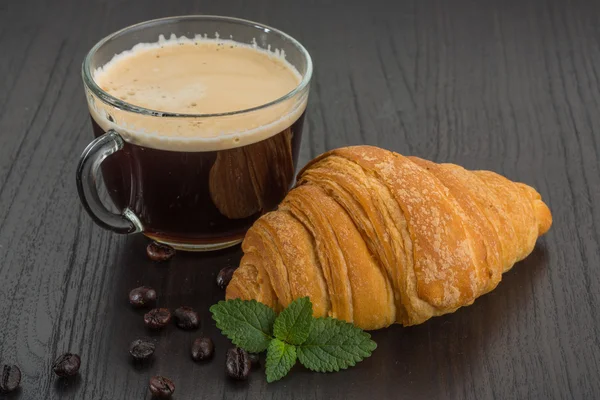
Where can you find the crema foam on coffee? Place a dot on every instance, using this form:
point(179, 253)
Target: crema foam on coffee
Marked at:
point(198, 76)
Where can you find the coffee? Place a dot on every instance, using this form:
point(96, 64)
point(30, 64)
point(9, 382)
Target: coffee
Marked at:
point(194, 179)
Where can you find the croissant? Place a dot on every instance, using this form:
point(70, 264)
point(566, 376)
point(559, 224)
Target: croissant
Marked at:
point(376, 238)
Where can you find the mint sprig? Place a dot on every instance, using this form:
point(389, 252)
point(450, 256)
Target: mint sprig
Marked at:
point(281, 357)
point(320, 344)
point(334, 345)
point(248, 324)
point(295, 322)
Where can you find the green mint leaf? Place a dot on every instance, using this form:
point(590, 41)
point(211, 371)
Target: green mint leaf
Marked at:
point(248, 324)
point(293, 324)
point(333, 345)
point(281, 357)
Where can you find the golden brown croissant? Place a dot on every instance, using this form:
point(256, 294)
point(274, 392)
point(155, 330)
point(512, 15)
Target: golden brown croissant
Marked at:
point(373, 238)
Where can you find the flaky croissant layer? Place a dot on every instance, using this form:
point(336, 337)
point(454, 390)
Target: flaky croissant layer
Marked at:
point(376, 238)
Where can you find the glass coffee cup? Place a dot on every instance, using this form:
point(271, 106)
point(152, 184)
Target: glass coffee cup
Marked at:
point(198, 123)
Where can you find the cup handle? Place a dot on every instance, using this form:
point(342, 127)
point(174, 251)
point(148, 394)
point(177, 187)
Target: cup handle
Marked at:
point(87, 176)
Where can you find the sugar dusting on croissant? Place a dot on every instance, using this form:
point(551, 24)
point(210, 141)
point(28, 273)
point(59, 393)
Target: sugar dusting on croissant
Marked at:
point(376, 238)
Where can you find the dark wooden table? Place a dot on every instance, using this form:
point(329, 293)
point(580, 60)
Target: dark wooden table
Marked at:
point(511, 86)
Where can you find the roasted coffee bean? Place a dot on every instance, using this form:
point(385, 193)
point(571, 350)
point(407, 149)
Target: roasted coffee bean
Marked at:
point(157, 318)
point(161, 387)
point(142, 349)
point(67, 365)
point(186, 318)
point(224, 277)
point(202, 349)
point(142, 296)
point(238, 364)
point(159, 252)
point(10, 378)
point(254, 360)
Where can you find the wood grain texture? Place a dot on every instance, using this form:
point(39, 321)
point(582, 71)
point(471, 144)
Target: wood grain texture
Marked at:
point(510, 86)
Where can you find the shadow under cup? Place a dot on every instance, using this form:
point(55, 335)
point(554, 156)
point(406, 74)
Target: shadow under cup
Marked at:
point(204, 189)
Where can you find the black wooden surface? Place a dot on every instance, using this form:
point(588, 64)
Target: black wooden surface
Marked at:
point(511, 86)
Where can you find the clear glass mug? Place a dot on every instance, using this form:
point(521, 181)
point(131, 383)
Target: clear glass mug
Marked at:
point(191, 195)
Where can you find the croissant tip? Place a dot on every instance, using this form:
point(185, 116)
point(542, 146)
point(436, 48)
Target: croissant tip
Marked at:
point(544, 217)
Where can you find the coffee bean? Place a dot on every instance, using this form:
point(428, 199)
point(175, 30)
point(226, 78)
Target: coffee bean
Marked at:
point(161, 387)
point(142, 296)
point(141, 349)
point(159, 252)
point(202, 349)
point(157, 318)
point(224, 277)
point(254, 360)
point(238, 364)
point(186, 318)
point(10, 378)
point(67, 365)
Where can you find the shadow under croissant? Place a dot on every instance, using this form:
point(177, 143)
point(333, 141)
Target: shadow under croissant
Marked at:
point(460, 346)
point(250, 179)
